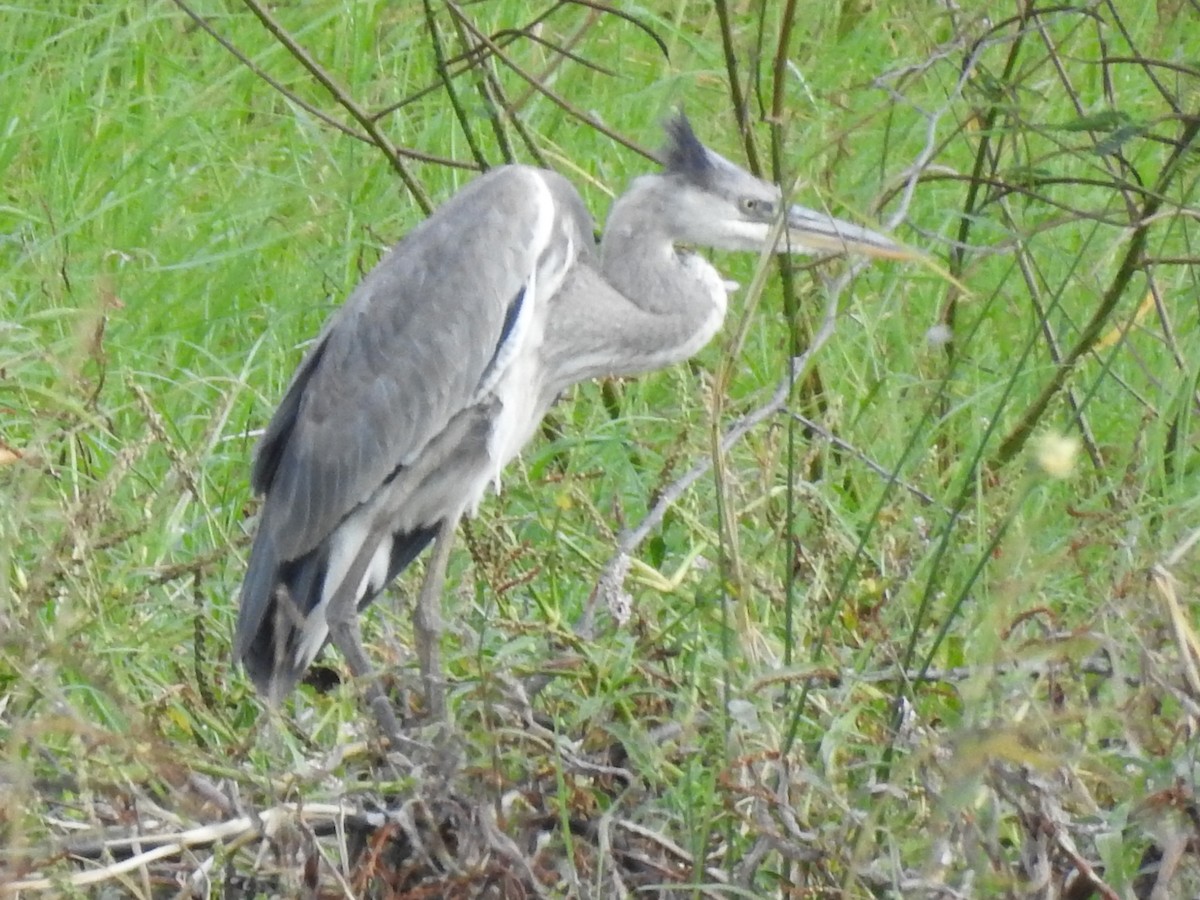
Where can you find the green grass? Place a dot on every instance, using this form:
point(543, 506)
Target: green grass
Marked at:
point(172, 229)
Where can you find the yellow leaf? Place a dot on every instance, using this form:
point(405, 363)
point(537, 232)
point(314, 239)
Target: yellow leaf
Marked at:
point(1115, 334)
point(8, 455)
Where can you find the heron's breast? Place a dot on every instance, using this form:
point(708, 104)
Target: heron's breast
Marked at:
point(520, 412)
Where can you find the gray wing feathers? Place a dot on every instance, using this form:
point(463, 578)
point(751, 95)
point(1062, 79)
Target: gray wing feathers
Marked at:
point(401, 358)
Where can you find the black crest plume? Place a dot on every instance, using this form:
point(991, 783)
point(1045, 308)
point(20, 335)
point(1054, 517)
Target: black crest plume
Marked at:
point(684, 154)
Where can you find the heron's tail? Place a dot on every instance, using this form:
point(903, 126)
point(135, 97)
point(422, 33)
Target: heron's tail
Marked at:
point(274, 616)
point(281, 619)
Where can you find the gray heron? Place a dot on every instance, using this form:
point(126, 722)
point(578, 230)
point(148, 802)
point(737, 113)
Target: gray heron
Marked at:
point(442, 362)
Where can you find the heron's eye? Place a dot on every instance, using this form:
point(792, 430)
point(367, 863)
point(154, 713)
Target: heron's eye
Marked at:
point(752, 206)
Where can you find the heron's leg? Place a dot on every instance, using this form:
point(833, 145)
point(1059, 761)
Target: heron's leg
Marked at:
point(427, 619)
point(346, 635)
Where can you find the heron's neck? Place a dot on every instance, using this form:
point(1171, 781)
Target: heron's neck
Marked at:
point(641, 306)
point(665, 304)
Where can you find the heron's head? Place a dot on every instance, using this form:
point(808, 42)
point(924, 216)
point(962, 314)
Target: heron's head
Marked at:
point(710, 202)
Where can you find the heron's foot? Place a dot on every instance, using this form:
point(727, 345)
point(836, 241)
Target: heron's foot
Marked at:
point(419, 740)
point(421, 748)
point(399, 743)
point(346, 636)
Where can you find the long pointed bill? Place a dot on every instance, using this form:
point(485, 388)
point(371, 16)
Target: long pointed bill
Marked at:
point(808, 230)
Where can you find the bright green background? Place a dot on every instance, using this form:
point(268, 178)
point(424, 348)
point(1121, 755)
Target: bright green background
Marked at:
point(172, 230)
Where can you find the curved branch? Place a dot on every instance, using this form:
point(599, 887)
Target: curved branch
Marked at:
point(370, 125)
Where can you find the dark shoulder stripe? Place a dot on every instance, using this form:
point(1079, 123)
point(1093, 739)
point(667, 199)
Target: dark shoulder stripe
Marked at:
point(511, 316)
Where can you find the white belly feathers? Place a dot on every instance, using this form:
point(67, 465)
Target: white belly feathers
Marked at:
point(516, 380)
